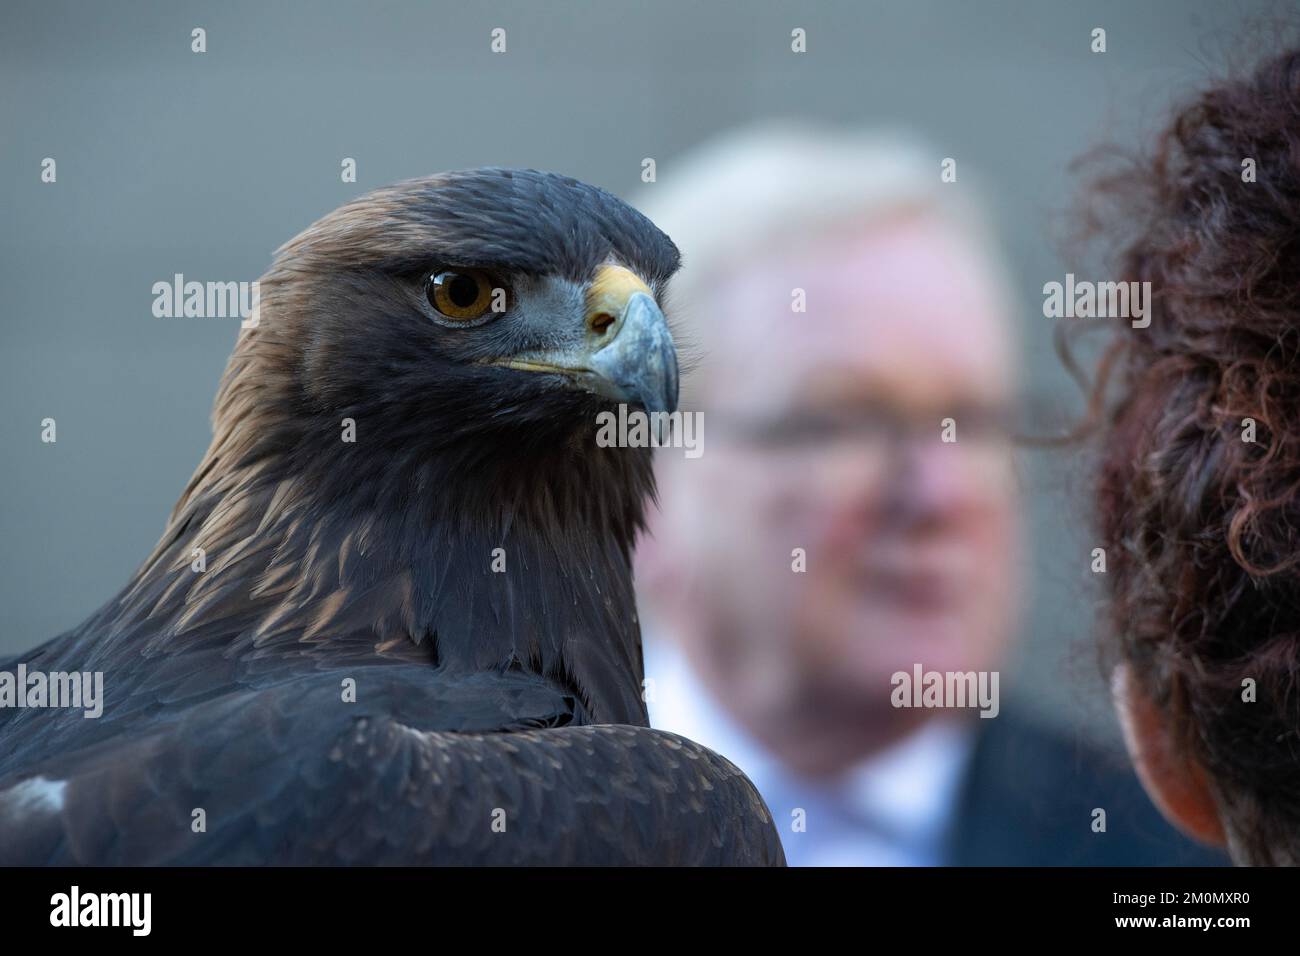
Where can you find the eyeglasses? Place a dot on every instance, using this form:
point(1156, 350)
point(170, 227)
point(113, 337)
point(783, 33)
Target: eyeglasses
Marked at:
point(842, 449)
point(809, 430)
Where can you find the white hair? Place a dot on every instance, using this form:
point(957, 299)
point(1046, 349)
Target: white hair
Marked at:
point(783, 184)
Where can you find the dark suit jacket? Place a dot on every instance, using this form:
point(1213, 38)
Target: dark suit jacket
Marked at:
point(1028, 800)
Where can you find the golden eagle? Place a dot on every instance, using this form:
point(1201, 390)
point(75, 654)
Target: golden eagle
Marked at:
point(391, 617)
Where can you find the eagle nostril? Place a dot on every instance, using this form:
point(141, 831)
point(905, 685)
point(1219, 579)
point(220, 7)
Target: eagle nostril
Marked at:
point(600, 322)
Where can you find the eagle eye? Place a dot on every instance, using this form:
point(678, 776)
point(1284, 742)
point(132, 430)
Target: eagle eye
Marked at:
point(464, 294)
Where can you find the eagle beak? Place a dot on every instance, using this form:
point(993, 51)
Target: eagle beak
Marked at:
point(626, 353)
point(637, 362)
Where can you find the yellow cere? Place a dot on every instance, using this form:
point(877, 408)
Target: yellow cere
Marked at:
point(611, 288)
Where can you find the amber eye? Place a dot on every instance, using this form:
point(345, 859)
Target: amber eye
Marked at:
point(462, 294)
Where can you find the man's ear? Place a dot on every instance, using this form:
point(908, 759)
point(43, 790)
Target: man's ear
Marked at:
point(1176, 783)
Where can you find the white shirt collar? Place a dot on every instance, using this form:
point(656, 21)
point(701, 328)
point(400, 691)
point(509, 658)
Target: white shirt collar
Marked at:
point(892, 808)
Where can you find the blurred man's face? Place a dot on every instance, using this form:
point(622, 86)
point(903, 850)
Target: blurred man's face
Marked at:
point(824, 433)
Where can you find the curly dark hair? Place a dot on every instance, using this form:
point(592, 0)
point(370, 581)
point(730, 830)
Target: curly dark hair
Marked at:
point(1202, 526)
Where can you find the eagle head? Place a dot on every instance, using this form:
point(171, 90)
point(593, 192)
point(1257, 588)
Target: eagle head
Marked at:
point(492, 302)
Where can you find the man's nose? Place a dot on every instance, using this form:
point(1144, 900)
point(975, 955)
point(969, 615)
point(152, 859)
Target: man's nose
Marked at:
point(929, 480)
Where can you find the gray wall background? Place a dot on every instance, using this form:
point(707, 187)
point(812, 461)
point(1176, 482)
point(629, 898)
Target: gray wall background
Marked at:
point(170, 161)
